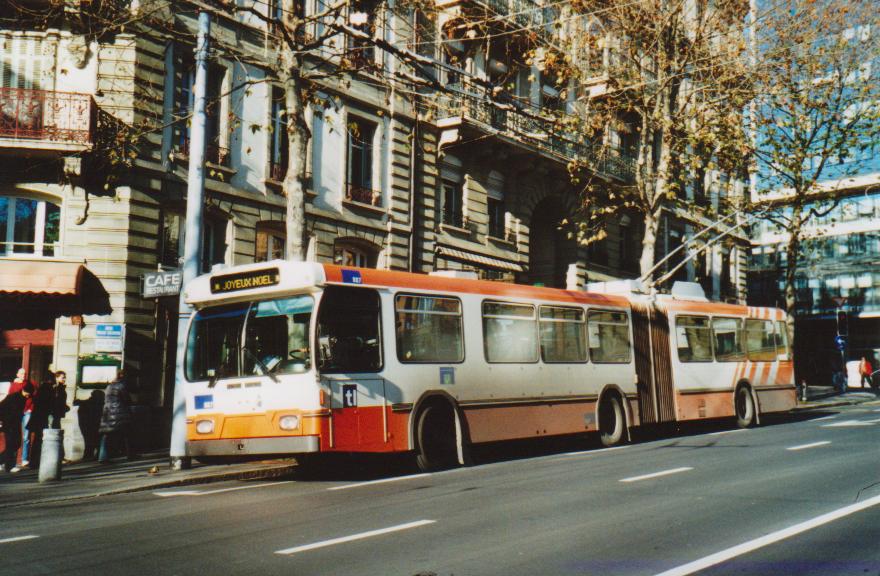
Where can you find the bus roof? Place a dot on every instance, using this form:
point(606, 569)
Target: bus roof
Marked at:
point(278, 277)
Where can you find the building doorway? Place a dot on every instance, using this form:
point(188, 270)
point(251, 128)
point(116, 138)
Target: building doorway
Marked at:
point(550, 249)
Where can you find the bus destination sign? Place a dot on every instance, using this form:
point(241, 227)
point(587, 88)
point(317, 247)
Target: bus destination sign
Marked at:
point(245, 280)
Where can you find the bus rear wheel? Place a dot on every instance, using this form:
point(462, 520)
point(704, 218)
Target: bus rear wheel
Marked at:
point(611, 421)
point(745, 407)
point(435, 434)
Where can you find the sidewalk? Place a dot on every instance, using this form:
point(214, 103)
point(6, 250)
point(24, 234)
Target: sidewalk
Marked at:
point(150, 471)
point(829, 396)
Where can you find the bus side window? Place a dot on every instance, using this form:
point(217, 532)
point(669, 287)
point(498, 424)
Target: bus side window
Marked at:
point(608, 336)
point(510, 332)
point(562, 334)
point(349, 331)
point(760, 340)
point(782, 340)
point(693, 336)
point(429, 328)
point(728, 337)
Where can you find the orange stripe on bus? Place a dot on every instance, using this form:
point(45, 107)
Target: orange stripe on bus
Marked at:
point(406, 280)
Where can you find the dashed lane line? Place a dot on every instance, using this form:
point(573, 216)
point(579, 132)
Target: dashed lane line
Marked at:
point(772, 538)
point(380, 481)
point(824, 418)
point(353, 537)
point(727, 432)
point(811, 445)
point(169, 493)
point(18, 539)
point(656, 474)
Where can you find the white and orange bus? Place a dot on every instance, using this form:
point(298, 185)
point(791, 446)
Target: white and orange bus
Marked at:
point(304, 358)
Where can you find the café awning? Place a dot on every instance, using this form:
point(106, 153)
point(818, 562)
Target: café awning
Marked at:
point(34, 277)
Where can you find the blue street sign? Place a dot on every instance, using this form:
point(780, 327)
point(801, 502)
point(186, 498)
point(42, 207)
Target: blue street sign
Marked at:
point(840, 342)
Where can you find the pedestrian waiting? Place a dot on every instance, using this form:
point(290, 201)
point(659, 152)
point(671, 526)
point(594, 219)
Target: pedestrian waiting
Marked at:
point(115, 426)
point(50, 406)
point(12, 410)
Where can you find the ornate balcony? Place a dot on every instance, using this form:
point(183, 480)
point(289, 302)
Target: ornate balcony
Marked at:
point(41, 120)
point(529, 131)
point(354, 193)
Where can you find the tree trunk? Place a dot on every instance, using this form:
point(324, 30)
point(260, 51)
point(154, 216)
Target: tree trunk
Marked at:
point(649, 245)
point(791, 254)
point(293, 187)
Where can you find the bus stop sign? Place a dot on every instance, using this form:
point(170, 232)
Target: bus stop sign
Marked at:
point(840, 342)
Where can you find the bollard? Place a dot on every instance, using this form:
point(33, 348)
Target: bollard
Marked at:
point(51, 455)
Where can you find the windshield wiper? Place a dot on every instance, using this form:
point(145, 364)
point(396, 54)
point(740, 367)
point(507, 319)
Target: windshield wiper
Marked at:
point(263, 368)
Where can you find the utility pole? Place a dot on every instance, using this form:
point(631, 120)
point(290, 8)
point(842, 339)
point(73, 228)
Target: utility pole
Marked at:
point(195, 202)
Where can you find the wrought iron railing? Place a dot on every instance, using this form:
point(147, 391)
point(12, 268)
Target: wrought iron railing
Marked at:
point(214, 153)
point(63, 117)
point(538, 132)
point(355, 193)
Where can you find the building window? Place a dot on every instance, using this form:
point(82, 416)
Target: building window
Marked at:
point(29, 226)
point(270, 242)
point(362, 53)
point(216, 151)
point(495, 205)
point(452, 183)
point(278, 144)
point(359, 254)
point(360, 162)
point(174, 238)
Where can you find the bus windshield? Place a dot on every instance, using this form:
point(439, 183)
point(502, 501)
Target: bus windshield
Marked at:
point(264, 338)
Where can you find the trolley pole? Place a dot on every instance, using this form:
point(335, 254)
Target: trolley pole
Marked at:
point(195, 202)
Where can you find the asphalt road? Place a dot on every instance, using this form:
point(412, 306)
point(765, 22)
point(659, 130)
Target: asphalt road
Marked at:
point(798, 496)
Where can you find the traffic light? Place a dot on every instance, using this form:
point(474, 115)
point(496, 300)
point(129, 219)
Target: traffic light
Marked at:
point(842, 323)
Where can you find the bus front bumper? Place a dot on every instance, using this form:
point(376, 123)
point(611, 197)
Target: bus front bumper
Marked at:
point(253, 446)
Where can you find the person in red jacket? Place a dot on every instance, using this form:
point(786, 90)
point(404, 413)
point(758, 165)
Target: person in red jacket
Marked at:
point(866, 372)
point(12, 413)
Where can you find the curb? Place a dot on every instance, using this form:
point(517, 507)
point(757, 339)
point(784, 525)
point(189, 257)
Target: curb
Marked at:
point(833, 403)
point(266, 473)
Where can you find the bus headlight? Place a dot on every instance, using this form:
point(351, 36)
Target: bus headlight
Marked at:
point(205, 426)
point(289, 422)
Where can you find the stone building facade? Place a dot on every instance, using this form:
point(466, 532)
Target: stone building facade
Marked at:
point(94, 140)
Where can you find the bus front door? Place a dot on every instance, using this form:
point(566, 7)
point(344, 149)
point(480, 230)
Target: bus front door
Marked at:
point(359, 415)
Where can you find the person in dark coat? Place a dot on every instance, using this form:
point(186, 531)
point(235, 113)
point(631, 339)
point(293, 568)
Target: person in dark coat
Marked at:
point(89, 416)
point(11, 410)
point(50, 406)
point(115, 420)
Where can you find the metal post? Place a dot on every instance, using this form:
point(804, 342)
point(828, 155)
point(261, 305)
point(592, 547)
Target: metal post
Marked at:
point(195, 192)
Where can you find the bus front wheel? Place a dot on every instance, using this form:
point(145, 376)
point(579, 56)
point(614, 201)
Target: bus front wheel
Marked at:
point(611, 421)
point(745, 407)
point(435, 434)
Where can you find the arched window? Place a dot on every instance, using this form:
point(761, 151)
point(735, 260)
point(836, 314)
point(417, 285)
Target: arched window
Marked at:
point(355, 252)
point(29, 226)
point(270, 241)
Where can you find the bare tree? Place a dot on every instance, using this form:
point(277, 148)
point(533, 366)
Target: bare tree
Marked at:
point(815, 113)
point(666, 81)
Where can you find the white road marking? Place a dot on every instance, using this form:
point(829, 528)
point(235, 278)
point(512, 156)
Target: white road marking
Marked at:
point(771, 538)
point(361, 536)
point(18, 538)
point(812, 445)
point(566, 455)
point(848, 424)
point(380, 481)
point(166, 494)
point(727, 432)
point(656, 474)
point(824, 418)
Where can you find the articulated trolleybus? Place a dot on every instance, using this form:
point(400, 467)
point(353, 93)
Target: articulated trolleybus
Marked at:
point(303, 358)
